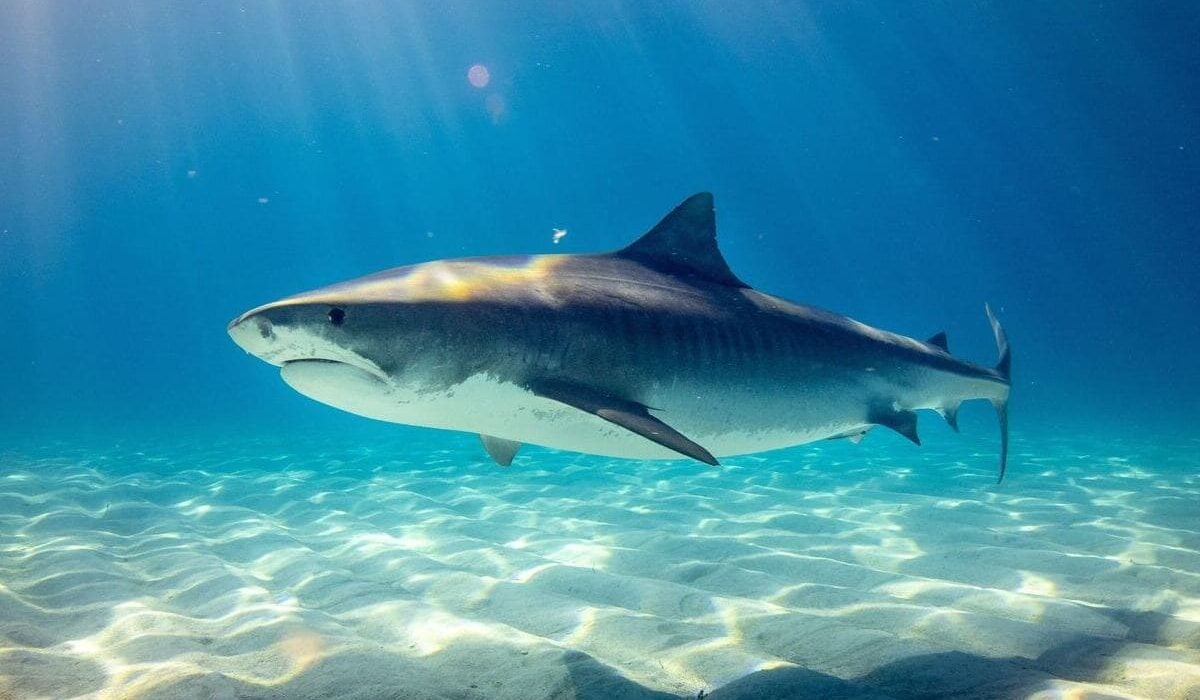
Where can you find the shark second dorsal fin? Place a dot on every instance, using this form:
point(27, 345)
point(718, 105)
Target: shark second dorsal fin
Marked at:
point(684, 243)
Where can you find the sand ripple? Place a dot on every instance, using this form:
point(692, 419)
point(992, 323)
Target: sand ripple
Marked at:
point(415, 569)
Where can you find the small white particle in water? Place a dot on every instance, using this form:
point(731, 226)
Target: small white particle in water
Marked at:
point(263, 200)
point(559, 234)
point(191, 174)
point(429, 234)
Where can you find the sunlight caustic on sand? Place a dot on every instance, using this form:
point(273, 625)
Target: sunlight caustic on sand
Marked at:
point(150, 577)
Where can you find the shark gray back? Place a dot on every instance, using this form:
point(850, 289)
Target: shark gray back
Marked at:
point(654, 351)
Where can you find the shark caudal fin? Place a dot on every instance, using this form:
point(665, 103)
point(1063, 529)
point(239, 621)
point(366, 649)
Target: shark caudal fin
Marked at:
point(1004, 369)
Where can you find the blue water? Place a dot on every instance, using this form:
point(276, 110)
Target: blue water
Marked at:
point(901, 166)
point(166, 166)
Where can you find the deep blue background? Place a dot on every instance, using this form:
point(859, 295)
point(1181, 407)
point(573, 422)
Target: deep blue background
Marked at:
point(901, 163)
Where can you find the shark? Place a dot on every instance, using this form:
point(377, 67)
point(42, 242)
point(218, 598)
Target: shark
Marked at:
point(654, 351)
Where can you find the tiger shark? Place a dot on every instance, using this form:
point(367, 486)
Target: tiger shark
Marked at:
point(654, 351)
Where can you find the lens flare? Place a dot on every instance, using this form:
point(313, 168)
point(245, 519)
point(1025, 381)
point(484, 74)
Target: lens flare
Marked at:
point(478, 75)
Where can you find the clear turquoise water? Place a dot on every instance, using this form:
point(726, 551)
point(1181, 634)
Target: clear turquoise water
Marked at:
point(176, 522)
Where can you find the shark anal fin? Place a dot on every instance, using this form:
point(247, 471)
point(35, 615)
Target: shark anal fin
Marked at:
point(630, 415)
point(900, 420)
point(950, 413)
point(500, 450)
point(939, 340)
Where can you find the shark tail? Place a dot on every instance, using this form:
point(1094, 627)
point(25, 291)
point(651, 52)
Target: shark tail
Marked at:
point(1004, 369)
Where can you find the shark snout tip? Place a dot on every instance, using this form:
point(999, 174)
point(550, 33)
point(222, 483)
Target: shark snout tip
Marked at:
point(237, 321)
point(249, 332)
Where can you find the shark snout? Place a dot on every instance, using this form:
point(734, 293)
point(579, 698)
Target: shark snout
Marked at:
point(284, 333)
point(253, 333)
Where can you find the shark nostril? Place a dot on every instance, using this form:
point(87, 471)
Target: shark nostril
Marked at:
point(337, 316)
point(265, 330)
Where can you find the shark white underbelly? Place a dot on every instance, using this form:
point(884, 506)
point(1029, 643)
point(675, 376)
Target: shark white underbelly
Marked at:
point(471, 406)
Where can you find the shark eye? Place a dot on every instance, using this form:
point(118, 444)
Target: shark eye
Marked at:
point(337, 316)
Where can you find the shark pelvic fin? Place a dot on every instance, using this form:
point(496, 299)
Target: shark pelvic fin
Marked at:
point(900, 420)
point(500, 450)
point(630, 415)
point(939, 340)
point(684, 243)
point(855, 436)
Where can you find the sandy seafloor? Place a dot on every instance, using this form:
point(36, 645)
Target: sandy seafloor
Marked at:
point(312, 567)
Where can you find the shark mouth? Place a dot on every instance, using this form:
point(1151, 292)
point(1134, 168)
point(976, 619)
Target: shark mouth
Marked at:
point(329, 364)
point(332, 381)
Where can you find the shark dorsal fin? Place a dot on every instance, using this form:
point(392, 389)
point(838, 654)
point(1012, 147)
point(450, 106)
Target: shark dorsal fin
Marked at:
point(684, 243)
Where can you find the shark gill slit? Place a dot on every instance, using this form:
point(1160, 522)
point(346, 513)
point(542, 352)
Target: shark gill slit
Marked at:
point(677, 340)
point(698, 333)
point(692, 333)
point(728, 356)
point(754, 346)
point(739, 350)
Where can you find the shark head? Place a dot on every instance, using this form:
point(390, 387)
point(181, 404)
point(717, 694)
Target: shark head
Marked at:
point(327, 345)
point(380, 343)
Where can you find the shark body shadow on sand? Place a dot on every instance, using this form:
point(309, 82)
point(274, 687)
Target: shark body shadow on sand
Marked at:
point(951, 674)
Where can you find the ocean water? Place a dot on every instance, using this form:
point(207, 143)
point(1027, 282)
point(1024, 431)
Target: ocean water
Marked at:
point(176, 522)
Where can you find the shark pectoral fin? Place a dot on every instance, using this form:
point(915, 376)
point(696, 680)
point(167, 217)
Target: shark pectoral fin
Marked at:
point(630, 415)
point(902, 421)
point(640, 421)
point(500, 450)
